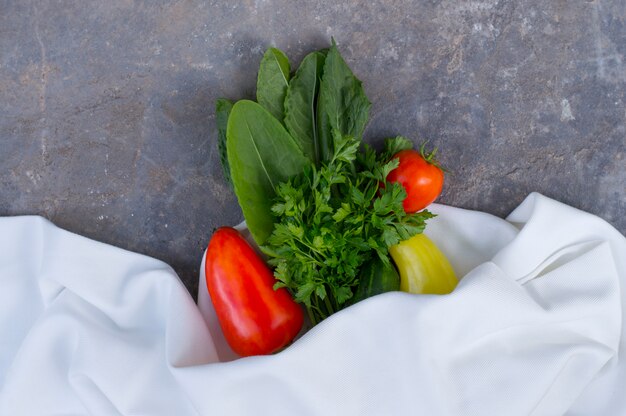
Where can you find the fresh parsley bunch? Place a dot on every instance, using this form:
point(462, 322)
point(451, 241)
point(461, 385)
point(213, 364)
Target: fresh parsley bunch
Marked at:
point(331, 219)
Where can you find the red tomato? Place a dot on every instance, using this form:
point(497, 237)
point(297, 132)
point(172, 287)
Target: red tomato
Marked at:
point(421, 177)
point(255, 318)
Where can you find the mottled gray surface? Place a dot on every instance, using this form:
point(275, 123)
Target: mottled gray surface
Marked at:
point(106, 108)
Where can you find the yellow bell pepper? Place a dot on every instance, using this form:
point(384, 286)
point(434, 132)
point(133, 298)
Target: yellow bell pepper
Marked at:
point(423, 267)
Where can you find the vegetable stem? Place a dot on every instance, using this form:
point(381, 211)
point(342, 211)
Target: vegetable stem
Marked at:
point(309, 311)
point(330, 308)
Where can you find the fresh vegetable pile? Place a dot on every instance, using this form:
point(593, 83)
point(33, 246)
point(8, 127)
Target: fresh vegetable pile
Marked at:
point(326, 209)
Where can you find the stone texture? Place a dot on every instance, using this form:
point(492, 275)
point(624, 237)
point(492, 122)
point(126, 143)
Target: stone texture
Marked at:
point(106, 108)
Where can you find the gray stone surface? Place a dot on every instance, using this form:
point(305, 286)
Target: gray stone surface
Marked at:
point(106, 107)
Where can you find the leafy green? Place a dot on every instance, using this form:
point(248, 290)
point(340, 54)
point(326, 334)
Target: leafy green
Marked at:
point(315, 200)
point(376, 277)
point(324, 132)
point(396, 144)
point(343, 105)
point(300, 103)
point(272, 82)
point(331, 220)
point(261, 154)
point(222, 111)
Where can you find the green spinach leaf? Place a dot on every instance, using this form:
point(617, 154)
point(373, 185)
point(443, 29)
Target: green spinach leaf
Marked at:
point(300, 103)
point(342, 101)
point(261, 154)
point(272, 82)
point(324, 132)
point(222, 111)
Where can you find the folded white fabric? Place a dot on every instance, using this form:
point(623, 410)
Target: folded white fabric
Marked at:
point(534, 328)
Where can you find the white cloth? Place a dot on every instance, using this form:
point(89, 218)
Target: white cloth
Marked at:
point(534, 328)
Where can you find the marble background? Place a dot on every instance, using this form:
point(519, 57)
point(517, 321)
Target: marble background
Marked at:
point(106, 107)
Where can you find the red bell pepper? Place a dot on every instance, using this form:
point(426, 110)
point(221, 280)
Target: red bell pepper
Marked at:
point(255, 318)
